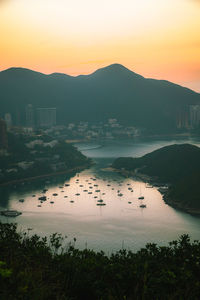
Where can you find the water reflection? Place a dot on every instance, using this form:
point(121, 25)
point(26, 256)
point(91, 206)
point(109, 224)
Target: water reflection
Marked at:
point(71, 206)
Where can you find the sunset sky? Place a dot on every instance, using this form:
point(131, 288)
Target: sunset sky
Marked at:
point(155, 38)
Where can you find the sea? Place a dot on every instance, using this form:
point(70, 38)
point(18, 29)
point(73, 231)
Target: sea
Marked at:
point(72, 206)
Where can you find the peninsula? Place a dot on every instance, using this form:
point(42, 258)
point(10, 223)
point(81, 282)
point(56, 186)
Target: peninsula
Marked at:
point(178, 166)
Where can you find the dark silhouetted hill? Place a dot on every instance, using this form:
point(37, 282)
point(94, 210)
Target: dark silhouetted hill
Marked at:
point(178, 165)
point(110, 92)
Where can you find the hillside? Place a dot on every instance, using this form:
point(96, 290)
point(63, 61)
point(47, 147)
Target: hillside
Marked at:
point(110, 92)
point(31, 157)
point(178, 165)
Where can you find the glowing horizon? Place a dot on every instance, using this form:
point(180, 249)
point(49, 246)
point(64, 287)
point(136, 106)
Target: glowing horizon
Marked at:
point(155, 39)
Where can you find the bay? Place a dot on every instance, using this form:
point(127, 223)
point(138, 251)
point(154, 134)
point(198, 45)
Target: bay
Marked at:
point(121, 223)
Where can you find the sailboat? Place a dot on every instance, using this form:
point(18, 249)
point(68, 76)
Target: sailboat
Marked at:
point(100, 201)
point(143, 205)
point(140, 197)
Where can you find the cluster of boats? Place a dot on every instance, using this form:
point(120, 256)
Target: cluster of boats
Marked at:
point(90, 188)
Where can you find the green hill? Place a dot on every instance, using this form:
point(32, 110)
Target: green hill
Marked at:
point(110, 92)
point(178, 165)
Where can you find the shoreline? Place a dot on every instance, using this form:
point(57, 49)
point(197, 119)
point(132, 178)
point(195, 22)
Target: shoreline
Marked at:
point(178, 206)
point(151, 180)
point(78, 169)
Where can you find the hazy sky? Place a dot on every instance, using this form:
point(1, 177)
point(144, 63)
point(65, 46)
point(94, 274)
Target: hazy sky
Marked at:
point(155, 38)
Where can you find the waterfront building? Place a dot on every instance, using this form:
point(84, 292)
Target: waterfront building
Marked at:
point(194, 116)
point(30, 120)
point(182, 118)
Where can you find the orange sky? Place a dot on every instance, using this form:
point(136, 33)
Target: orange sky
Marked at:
point(155, 38)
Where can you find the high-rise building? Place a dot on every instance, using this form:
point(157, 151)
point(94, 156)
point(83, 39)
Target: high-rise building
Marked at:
point(30, 121)
point(46, 117)
point(3, 135)
point(8, 120)
point(194, 116)
point(182, 118)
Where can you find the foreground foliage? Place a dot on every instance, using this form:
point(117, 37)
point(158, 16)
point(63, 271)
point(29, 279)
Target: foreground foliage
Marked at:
point(39, 268)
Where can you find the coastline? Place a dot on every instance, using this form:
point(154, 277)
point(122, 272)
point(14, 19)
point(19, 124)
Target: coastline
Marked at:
point(178, 206)
point(76, 169)
point(152, 180)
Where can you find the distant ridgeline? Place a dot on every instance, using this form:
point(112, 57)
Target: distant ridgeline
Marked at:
point(28, 156)
point(158, 106)
point(178, 165)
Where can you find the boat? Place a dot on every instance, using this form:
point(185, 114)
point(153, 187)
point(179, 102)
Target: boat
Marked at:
point(143, 205)
point(10, 213)
point(140, 197)
point(149, 186)
point(101, 204)
point(43, 198)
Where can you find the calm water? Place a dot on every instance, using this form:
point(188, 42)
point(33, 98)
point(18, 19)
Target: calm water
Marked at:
point(121, 222)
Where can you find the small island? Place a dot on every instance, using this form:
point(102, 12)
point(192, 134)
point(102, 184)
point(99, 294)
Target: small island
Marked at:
point(32, 156)
point(175, 166)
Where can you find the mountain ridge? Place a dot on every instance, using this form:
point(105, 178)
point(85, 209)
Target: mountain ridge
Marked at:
point(110, 92)
point(109, 67)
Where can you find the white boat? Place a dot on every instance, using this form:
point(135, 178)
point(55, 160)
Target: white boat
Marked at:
point(11, 213)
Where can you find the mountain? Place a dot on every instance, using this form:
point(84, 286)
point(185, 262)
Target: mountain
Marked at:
point(178, 165)
point(110, 92)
